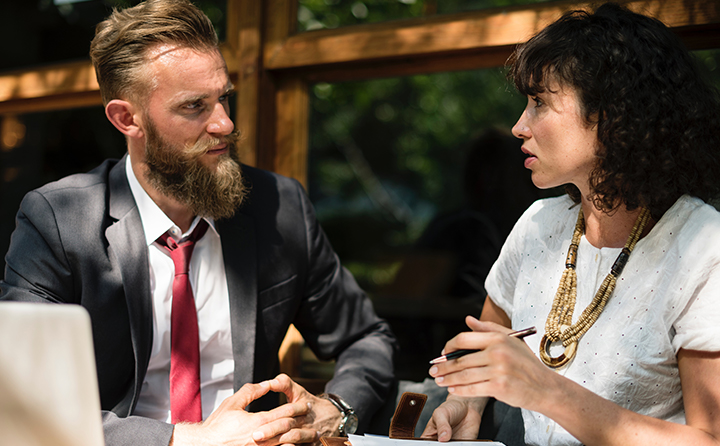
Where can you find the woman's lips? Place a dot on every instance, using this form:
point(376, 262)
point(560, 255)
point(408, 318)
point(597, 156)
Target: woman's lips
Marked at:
point(530, 158)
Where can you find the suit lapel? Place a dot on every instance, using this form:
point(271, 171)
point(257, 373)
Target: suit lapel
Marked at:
point(126, 241)
point(240, 257)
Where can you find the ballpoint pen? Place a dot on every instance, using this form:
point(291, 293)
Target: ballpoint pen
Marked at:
point(458, 353)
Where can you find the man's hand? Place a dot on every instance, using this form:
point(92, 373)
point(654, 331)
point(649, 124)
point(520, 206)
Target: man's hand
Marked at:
point(458, 418)
point(323, 416)
point(231, 424)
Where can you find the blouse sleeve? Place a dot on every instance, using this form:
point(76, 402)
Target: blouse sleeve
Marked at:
point(697, 327)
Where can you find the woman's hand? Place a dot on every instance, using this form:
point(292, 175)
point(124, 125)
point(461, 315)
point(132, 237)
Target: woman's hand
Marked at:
point(504, 368)
point(458, 418)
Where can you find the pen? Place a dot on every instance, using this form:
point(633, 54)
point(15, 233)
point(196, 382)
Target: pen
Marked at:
point(458, 353)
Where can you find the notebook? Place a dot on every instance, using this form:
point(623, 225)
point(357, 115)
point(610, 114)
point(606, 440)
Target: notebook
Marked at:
point(48, 383)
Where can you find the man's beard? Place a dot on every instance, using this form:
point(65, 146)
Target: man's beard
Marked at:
point(177, 172)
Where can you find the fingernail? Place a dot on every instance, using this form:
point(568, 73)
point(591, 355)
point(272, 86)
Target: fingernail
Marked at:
point(309, 405)
point(451, 389)
point(443, 435)
point(433, 370)
point(275, 381)
point(439, 379)
point(257, 436)
point(264, 384)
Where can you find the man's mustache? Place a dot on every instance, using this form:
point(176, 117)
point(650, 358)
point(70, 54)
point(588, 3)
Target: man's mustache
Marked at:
point(201, 147)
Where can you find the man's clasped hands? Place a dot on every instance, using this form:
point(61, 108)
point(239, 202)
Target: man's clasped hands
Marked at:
point(303, 419)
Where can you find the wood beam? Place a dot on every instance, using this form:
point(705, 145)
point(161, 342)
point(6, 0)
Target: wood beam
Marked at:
point(455, 34)
point(284, 113)
point(60, 86)
point(245, 38)
point(67, 78)
point(292, 129)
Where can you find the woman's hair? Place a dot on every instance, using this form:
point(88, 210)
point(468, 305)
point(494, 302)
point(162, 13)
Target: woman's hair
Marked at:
point(122, 41)
point(657, 119)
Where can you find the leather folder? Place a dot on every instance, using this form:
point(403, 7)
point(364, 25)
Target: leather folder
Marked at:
point(402, 425)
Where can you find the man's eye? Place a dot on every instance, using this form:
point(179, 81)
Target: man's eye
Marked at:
point(194, 106)
point(538, 101)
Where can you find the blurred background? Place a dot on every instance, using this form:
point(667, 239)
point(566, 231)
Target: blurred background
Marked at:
point(415, 178)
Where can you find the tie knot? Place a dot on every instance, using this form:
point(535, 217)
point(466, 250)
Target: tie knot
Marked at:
point(180, 252)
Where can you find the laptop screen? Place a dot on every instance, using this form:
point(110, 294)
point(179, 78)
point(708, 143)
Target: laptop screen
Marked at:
point(48, 382)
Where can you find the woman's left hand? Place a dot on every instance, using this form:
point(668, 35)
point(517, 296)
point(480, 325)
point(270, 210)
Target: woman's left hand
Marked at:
point(504, 368)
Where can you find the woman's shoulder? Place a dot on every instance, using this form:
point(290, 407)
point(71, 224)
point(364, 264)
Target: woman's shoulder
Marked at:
point(551, 214)
point(690, 214)
point(691, 225)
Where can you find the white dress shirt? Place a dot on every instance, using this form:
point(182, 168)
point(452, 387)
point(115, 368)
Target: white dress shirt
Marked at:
point(209, 284)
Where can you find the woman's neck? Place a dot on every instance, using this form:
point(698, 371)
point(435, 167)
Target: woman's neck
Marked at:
point(603, 230)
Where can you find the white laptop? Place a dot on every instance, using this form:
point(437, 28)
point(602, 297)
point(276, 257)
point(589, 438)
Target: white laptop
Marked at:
point(48, 383)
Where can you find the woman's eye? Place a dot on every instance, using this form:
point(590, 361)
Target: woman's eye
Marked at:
point(538, 101)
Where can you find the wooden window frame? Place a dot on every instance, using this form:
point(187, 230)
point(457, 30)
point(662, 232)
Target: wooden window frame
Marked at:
point(273, 65)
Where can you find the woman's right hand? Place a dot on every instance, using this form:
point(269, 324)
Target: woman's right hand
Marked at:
point(458, 418)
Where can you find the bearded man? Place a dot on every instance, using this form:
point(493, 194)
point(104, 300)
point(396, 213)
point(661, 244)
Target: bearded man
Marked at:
point(192, 266)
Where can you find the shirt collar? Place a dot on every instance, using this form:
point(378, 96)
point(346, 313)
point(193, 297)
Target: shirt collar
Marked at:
point(154, 221)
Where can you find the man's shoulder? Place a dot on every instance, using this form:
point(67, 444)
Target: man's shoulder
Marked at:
point(99, 176)
point(256, 176)
point(265, 187)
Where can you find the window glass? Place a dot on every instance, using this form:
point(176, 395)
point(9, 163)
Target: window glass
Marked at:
point(318, 14)
point(415, 205)
point(49, 31)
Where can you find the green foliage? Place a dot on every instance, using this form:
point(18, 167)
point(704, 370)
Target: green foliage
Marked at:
point(318, 14)
point(387, 155)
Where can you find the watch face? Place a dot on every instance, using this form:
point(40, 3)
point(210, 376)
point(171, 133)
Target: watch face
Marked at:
point(351, 424)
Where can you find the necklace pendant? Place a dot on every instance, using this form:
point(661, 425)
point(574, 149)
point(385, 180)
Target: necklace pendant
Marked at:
point(565, 356)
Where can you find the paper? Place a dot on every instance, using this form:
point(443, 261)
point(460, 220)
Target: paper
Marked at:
point(380, 440)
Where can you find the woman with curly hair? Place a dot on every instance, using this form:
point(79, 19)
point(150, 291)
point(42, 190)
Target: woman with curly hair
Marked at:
point(621, 276)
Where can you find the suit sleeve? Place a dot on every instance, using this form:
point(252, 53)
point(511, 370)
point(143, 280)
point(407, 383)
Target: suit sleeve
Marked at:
point(337, 321)
point(36, 266)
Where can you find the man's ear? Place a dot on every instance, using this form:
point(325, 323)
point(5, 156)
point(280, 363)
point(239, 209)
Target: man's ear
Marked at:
point(122, 114)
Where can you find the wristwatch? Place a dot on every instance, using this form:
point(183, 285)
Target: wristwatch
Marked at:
point(349, 422)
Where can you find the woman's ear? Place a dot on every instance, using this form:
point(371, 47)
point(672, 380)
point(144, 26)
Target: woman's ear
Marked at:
point(123, 116)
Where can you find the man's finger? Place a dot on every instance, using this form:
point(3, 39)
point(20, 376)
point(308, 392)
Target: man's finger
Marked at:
point(246, 395)
point(284, 384)
point(297, 436)
point(272, 431)
point(290, 410)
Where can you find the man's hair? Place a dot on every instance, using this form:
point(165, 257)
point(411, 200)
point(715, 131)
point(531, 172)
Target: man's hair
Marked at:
point(657, 119)
point(122, 41)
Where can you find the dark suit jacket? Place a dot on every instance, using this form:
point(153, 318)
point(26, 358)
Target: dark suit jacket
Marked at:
point(80, 241)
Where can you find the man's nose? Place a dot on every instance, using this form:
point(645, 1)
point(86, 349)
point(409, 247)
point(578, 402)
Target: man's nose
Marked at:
point(220, 122)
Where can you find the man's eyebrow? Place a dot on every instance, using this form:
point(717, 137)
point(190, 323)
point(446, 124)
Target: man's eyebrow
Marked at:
point(191, 99)
point(230, 89)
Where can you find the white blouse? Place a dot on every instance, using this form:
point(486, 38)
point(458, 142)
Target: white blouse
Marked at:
point(667, 298)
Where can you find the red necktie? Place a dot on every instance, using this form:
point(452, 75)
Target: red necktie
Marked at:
point(185, 401)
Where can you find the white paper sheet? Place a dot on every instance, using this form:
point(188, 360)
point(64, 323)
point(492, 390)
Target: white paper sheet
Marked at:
point(380, 440)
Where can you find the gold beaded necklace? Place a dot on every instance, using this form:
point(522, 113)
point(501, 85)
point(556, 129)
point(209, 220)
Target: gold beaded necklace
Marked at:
point(559, 326)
